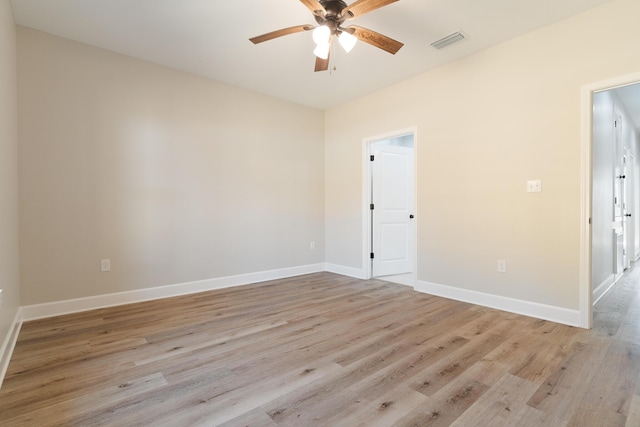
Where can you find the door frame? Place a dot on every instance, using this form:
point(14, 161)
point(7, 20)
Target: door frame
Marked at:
point(366, 196)
point(586, 166)
point(627, 185)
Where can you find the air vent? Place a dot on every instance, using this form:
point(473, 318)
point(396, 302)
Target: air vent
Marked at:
point(450, 39)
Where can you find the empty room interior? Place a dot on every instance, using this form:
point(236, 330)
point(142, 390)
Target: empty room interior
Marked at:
point(215, 214)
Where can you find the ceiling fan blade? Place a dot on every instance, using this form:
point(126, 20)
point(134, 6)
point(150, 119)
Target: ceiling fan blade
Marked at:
point(375, 39)
point(322, 64)
point(314, 6)
point(281, 32)
point(360, 7)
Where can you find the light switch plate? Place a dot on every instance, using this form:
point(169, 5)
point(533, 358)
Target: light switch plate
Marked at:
point(534, 186)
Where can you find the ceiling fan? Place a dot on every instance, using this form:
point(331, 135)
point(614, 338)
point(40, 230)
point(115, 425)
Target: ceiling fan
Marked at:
point(330, 16)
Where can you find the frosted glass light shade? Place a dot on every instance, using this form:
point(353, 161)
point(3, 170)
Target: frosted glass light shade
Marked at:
point(321, 34)
point(322, 50)
point(347, 41)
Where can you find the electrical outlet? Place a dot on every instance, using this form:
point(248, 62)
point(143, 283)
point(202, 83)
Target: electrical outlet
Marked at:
point(105, 265)
point(312, 245)
point(502, 266)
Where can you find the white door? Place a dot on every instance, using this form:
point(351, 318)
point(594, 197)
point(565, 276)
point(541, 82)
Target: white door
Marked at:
point(392, 210)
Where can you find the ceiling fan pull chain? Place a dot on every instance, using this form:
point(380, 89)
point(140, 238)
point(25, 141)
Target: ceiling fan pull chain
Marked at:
point(332, 66)
point(332, 59)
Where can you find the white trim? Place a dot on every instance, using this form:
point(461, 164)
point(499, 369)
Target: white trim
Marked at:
point(512, 305)
point(358, 273)
point(39, 311)
point(586, 152)
point(366, 192)
point(603, 288)
point(9, 344)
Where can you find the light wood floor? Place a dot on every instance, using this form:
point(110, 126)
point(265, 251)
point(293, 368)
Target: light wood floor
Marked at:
point(327, 350)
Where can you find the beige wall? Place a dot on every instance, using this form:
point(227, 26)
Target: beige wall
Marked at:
point(486, 124)
point(9, 263)
point(173, 177)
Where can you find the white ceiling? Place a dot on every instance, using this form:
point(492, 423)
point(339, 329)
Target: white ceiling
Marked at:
point(210, 38)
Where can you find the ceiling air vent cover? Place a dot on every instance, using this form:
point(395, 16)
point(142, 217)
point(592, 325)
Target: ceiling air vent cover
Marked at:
point(450, 39)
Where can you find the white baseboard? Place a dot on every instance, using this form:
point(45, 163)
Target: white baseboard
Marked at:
point(603, 288)
point(345, 271)
point(57, 308)
point(9, 344)
point(512, 305)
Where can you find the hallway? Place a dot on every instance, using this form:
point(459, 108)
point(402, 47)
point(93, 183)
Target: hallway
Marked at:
point(617, 314)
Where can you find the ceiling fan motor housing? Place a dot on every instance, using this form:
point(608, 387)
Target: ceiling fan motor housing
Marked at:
point(333, 17)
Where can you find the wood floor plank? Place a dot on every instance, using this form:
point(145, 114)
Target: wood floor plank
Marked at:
point(405, 369)
point(503, 405)
point(385, 410)
point(416, 332)
point(59, 413)
point(545, 352)
point(611, 391)
point(633, 419)
point(327, 350)
point(566, 387)
point(443, 410)
point(438, 375)
point(301, 405)
point(221, 408)
point(254, 418)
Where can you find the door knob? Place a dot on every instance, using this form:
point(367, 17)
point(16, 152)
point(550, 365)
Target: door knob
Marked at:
point(628, 215)
point(410, 216)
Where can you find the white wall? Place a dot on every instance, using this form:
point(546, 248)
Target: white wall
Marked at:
point(173, 177)
point(485, 125)
point(9, 263)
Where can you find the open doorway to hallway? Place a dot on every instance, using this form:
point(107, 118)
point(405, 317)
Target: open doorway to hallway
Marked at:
point(615, 186)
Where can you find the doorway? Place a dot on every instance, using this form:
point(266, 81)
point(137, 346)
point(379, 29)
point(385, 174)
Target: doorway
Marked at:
point(609, 215)
point(389, 195)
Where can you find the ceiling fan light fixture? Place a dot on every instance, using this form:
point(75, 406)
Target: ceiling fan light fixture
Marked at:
point(321, 35)
point(322, 50)
point(347, 41)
